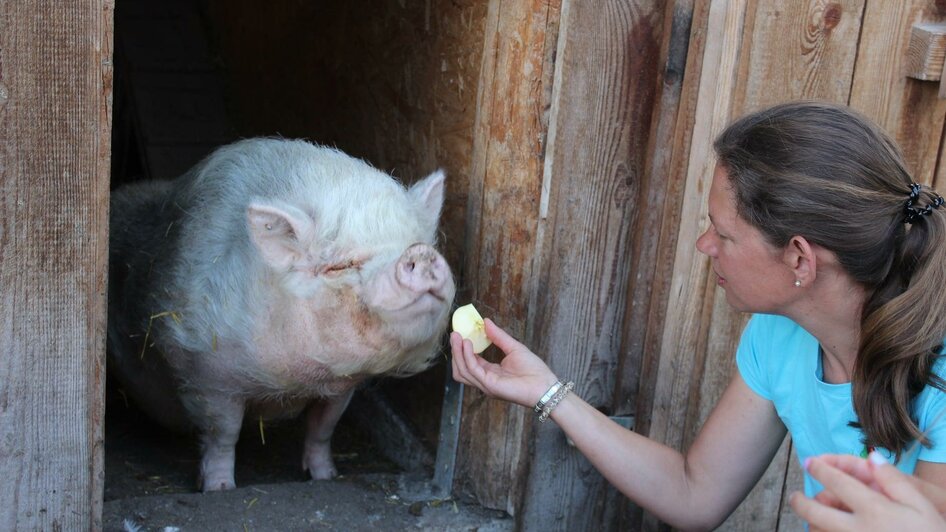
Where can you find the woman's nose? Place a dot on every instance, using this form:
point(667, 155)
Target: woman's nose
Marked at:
point(705, 244)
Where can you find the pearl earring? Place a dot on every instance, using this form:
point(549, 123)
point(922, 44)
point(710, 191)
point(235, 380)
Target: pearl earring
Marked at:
point(797, 283)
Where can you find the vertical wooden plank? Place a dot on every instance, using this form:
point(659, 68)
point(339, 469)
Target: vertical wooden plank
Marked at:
point(502, 219)
point(670, 158)
point(679, 366)
point(794, 481)
point(909, 109)
point(756, 54)
point(939, 180)
point(55, 90)
point(661, 191)
point(605, 84)
point(796, 50)
point(685, 314)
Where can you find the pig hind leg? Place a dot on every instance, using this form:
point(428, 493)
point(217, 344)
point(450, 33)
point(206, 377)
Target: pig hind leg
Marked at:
point(321, 418)
point(219, 424)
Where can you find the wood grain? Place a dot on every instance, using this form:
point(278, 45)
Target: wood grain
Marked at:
point(502, 219)
point(55, 90)
point(909, 109)
point(926, 52)
point(603, 98)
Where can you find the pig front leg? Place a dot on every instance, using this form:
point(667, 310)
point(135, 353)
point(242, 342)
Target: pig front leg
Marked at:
point(219, 431)
point(321, 418)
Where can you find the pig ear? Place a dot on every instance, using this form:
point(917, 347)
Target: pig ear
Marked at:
point(428, 192)
point(280, 232)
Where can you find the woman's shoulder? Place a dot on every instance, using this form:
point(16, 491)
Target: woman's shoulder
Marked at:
point(770, 336)
point(774, 328)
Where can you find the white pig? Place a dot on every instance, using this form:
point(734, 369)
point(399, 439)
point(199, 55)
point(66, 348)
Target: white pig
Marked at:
point(274, 276)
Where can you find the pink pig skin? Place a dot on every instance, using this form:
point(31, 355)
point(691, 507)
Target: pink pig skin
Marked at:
point(270, 281)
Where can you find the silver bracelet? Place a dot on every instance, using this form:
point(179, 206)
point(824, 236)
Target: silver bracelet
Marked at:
point(555, 400)
point(548, 395)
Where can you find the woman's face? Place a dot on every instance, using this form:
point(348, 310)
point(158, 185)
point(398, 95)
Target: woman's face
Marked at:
point(747, 267)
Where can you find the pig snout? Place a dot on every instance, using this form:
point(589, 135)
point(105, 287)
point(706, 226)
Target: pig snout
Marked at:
point(421, 269)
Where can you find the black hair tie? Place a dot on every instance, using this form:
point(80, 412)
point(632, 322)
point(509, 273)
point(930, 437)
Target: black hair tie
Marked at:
point(912, 214)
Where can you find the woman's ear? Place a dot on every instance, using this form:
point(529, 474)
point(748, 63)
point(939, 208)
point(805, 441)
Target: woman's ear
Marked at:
point(800, 256)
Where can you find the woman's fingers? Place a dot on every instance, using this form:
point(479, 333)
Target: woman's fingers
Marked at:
point(855, 466)
point(820, 516)
point(850, 491)
point(501, 338)
point(827, 498)
point(458, 363)
point(899, 487)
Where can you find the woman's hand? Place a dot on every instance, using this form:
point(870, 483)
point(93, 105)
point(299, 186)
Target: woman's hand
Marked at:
point(863, 470)
point(521, 377)
point(864, 495)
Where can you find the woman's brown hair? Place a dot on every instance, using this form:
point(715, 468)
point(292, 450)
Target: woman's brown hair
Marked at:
point(828, 174)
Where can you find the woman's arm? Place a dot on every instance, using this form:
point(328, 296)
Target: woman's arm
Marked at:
point(697, 490)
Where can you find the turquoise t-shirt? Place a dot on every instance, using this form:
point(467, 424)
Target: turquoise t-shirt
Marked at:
point(780, 361)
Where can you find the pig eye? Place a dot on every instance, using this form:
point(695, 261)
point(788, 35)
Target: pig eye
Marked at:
point(342, 267)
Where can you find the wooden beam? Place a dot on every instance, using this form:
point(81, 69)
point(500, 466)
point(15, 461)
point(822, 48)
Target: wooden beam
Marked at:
point(600, 205)
point(55, 119)
point(926, 51)
point(503, 213)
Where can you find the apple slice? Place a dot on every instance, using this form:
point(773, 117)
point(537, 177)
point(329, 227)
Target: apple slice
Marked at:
point(468, 322)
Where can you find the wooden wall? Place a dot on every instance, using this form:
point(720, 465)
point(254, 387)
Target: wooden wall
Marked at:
point(55, 90)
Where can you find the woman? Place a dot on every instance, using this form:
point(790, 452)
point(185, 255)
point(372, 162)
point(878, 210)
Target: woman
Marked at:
point(818, 230)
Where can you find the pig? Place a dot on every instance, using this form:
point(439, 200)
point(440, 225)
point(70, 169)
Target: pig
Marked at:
point(267, 281)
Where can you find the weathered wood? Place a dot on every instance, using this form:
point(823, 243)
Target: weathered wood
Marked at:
point(670, 159)
point(789, 521)
point(795, 50)
point(939, 179)
point(502, 223)
point(686, 320)
point(55, 90)
point(926, 52)
point(909, 109)
point(605, 83)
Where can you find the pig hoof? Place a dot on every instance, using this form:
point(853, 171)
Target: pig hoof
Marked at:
point(217, 484)
point(323, 472)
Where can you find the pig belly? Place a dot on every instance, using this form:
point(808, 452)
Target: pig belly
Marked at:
point(151, 385)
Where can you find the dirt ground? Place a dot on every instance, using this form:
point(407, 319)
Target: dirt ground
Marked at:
point(150, 485)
